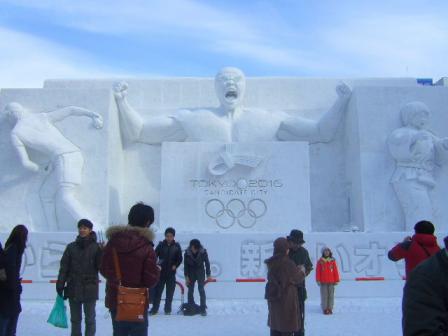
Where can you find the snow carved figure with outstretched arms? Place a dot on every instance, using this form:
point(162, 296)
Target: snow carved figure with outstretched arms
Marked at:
point(230, 122)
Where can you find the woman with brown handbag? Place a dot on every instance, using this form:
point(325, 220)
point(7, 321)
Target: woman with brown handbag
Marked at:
point(129, 265)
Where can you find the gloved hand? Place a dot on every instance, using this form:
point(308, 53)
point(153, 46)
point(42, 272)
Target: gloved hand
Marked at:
point(60, 290)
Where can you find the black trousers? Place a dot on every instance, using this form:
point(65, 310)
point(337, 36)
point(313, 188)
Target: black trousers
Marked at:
point(76, 317)
point(301, 317)
point(201, 284)
point(123, 328)
point(8, 325)
point(168, 280)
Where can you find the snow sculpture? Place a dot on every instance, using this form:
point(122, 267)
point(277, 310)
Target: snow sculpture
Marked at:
point(416, 151)
point(234, 125)
point(230, 122)
point(36, 131)
point(230, 158)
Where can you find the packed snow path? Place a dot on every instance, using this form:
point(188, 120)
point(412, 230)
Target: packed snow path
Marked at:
point(352, 317)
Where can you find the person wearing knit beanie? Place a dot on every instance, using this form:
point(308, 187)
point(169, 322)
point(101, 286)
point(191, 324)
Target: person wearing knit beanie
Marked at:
point(327, 277)
point(415, 249)
point(425, 227)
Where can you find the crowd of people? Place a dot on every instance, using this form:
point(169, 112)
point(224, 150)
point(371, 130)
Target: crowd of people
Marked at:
point(425, 307)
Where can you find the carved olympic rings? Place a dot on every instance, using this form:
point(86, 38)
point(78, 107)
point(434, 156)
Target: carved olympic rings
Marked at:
point(236, 209)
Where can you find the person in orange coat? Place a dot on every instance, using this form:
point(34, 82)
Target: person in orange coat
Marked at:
point(327, 276)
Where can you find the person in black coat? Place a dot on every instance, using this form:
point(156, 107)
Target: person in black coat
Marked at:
point(425, 303)
point(301, 257)
point(2, 264)
point(169, 254)
point(78, 278)
point(11, 289)
point(196, 267)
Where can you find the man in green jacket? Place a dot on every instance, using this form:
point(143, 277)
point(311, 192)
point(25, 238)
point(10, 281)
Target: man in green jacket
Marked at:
point(78, 278)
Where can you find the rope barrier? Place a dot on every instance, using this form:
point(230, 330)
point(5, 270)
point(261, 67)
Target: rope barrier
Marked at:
point(237, 280)
point(370, 279)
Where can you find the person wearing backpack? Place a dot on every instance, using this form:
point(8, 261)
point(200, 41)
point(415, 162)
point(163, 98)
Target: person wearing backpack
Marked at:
point(415, 249)
point(282, 290)
point(196, 267)
point(169, 254)
point(78, 278)
point(11, 289)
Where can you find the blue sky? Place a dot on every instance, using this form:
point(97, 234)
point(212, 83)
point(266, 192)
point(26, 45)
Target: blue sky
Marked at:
point(42, 39)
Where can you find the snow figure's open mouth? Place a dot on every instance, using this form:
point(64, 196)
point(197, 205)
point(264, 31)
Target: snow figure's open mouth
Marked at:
point(231, 95)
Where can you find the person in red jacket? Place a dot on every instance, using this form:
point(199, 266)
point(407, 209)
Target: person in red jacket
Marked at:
point(415, 249)
point(327, 277)
point(137, 260)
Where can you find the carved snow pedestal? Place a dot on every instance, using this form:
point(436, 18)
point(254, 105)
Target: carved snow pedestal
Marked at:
point(234, 194)
point(235, 188)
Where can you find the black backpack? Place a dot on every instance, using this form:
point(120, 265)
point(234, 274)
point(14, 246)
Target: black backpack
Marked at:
point(190, 309)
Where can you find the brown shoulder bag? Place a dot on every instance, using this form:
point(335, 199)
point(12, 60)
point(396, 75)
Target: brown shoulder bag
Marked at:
point(131, 302)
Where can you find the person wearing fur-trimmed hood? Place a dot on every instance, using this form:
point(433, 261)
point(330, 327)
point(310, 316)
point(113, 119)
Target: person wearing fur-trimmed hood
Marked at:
point(137, 260)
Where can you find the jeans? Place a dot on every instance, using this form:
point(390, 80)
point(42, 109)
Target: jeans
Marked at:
point(8, 325)
point(76, 317)
point(170, 281)
point(122, 328)
point(201, 284)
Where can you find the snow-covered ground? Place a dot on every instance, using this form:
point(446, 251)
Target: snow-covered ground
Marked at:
point(352, 317)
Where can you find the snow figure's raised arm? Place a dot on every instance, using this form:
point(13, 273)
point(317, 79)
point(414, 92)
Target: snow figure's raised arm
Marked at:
point(68, 111)
point(136, 129)
point(323, 130)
